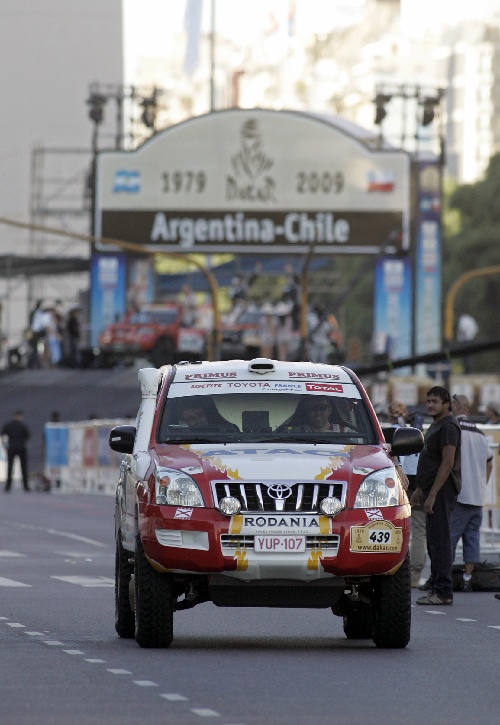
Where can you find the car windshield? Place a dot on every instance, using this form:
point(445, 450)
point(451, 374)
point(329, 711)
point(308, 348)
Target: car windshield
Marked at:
point(156, 317)
point(249, 317)
point(264, 417)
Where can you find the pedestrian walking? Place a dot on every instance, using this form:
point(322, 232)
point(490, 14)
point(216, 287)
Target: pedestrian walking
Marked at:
point(438, 485)
point(476, 465)
point(73, 331)
point(37, 334)
point(284, 328)
point(267, 330)
point(15, 435)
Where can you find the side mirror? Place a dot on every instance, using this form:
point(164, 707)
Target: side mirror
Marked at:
point(122, 437)
point(406, 441)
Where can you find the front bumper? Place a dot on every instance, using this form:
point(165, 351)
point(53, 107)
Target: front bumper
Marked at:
point(355, 543)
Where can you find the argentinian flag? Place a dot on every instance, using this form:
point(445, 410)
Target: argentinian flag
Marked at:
point(127, 181)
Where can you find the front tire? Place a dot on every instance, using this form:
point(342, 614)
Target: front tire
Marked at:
point(391, 608)
point(154, 603)
point(124, 615)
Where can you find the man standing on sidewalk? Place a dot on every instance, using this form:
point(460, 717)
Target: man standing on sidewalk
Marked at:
point(15, 434)
point(438, 485)
point(477, 462)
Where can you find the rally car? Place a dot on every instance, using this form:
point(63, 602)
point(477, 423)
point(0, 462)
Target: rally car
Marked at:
point(266, 484)
point(154, 332)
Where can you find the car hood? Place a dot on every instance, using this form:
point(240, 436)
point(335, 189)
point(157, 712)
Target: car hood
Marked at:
point(273, 461)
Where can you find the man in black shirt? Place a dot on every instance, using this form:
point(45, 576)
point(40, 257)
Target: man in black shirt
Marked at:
point(438, 485)
point(16, 434)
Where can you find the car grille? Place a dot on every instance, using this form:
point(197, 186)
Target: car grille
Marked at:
point(328, 543)
point(254, 497)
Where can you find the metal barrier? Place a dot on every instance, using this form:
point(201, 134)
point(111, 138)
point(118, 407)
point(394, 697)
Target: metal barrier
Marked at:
point(78, 458)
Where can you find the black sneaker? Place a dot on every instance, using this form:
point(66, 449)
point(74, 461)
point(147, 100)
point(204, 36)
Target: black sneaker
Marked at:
point(497, 596)
point(466, 586)
point(434, 600)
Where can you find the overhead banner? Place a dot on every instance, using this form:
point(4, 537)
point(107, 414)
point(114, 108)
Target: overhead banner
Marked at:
point(243, 181)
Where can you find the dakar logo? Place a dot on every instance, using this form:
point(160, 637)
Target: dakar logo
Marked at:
point(251, 162)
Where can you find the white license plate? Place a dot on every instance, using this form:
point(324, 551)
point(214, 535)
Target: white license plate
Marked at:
point(279, 544)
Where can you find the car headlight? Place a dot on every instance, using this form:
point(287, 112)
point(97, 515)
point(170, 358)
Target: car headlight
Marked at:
point(176, 488)
point(380, 488)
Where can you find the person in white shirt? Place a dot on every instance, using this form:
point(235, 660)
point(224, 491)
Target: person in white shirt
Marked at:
point(477, 463)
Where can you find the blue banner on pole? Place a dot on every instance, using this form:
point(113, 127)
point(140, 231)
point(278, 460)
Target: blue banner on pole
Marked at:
point(393, 308)
point(56, 446)
point(428, 259)
point(107, 292)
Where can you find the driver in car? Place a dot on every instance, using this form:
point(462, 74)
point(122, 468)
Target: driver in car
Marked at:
point(316, 414)
point(193, 416)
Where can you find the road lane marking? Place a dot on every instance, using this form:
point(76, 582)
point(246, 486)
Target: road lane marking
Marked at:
point(53, 643)
point(119, 672)
point(73, 651)
point(434, 611)
point(173, 696)
point(464, 619)
point(145, 683)
point(15, 624)
point(34, 634)
point(76, 537)
point(95, 661)
point(10, 554)
point(87, 581)
point(205, 712)
point(11, 583)
point(493, 626)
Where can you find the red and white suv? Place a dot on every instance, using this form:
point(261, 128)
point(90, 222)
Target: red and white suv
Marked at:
point(260, 483)
point(153, 332)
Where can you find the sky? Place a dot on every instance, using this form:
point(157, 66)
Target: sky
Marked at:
point(149, 25)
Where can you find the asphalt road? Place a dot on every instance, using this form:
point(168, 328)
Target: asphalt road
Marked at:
point(62, 662)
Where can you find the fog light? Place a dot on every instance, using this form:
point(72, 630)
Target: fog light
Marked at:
point(230, 506)
point(330, 506)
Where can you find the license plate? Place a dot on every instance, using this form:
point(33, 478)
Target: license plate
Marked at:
point(280, 544)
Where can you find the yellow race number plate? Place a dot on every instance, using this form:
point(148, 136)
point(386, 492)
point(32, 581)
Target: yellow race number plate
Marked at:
point(376, 536)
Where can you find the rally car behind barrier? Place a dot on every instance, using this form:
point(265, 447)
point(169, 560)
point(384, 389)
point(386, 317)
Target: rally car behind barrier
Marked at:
point(260, 483)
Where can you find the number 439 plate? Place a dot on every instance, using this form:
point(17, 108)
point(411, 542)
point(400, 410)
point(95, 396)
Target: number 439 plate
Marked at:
point(377, 536)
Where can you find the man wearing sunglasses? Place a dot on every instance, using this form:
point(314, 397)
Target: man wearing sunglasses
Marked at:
point(317, 416)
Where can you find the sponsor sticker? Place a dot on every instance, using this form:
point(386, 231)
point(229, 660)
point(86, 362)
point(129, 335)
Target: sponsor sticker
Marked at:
point(280, 524)
point(183, 512)
point(324, 388)
point(373, 514)
point(376, 537)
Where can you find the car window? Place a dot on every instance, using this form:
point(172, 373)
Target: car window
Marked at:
point(158, 317)
point(253, 417)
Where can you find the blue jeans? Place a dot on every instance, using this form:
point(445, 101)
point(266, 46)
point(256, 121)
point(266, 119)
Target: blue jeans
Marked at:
point(466, 522)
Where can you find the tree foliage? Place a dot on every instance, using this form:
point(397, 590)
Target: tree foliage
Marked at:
point(475, 244)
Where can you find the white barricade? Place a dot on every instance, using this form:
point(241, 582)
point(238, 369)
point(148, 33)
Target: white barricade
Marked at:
point(78, 458)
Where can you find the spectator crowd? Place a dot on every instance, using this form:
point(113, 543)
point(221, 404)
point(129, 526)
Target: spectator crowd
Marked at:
point(53, 337)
